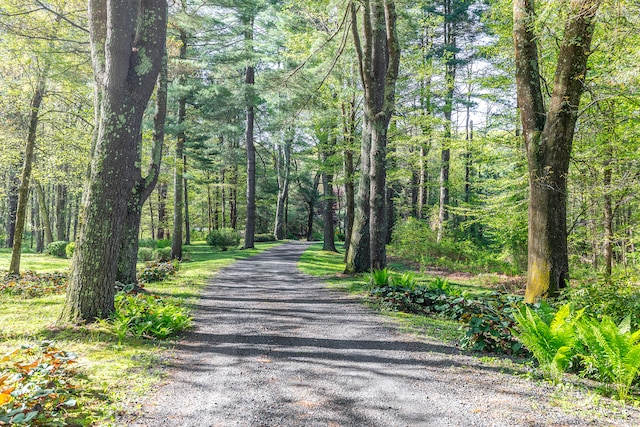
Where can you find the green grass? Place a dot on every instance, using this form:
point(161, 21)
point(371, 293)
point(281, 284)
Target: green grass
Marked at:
point(330, 266)
point(118, 373)
point(42, 263)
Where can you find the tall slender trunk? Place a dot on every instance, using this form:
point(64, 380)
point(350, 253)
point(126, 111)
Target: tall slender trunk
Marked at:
point(187, 225)
point(608, 213)
point(178, 177)
point(327, 150)
point(445, 154)
point(250, 224)
point(12, 206)
point(284, 171)
point(44, 213)
point(60, 204)
point(162, 210)
point(349, 130)
point(25, 179)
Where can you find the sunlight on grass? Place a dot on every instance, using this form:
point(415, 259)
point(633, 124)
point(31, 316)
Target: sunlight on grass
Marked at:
point(118, 374)
point(330, 266)
point(41, 263)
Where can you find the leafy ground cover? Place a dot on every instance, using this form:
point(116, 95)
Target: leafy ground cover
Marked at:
point(114, 367)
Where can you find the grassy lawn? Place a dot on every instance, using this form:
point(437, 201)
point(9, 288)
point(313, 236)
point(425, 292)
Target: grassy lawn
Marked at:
point(329, 266)
point(114, 375)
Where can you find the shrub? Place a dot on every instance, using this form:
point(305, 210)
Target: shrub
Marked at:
point(148, 243)
point(148, 316)
point(616, 299)
point(71, 247)
point(157, 271)
point(163, 243)
point(162, 254)
point(145, 254)
point(223, 239)
point(264, 237)
point(37, 386)
point(58, 249)
point(30, 284)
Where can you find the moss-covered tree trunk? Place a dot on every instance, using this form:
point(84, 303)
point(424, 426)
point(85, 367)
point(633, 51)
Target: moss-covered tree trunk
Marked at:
point(548, 135)
point(144, 186)
point(12, 206)
point(127, 45)
point(378, 54)
point(25, 179)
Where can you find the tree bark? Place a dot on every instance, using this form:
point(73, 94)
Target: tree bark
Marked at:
point(25, 179)
point(44, 213)
point(178, 176)
point(12, 206)
point(349, 123)
point(250, 224)
point(327, 150)
point(187, 224)
point(284, 171)
point(445, 154)
point(61, 202)
point(548, 136)
point(608, 213)
point(127, 45)
point(162, 210)
point(144, 186)
point(378, 58)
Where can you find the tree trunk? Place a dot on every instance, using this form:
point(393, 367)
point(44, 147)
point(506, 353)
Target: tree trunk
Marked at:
point(349, 130)
point(187, 225)
point(327, 191)
point(284, 171)
point(445, 155)
point(61, 202)
point(608, 214)
point(144, 186)
point(548, 136)
point(358, 255)
point(178, 177)
point(162, 210)
point(25, 179)
point(12, 206)
point(127, 41)
point(37, 224)
point(44, 213)
point(250, 224)
point(378, 58)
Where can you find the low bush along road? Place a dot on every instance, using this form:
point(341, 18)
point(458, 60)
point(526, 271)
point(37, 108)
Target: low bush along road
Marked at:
point(273, 347)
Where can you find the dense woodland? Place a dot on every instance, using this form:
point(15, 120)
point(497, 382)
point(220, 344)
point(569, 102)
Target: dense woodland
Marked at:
point(414, 124)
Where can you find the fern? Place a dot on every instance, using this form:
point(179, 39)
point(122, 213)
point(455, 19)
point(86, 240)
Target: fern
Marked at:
point(612, 352)
point(381, 277)
point(551, 339)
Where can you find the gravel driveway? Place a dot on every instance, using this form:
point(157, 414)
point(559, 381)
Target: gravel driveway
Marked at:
point(272, 347)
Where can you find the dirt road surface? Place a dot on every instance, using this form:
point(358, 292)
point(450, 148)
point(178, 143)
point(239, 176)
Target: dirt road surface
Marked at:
point(272, 347)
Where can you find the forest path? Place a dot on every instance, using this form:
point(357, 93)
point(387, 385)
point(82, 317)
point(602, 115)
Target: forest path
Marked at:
point(273, 347)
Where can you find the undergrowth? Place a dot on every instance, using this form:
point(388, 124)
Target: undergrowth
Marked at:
point(38, 386)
